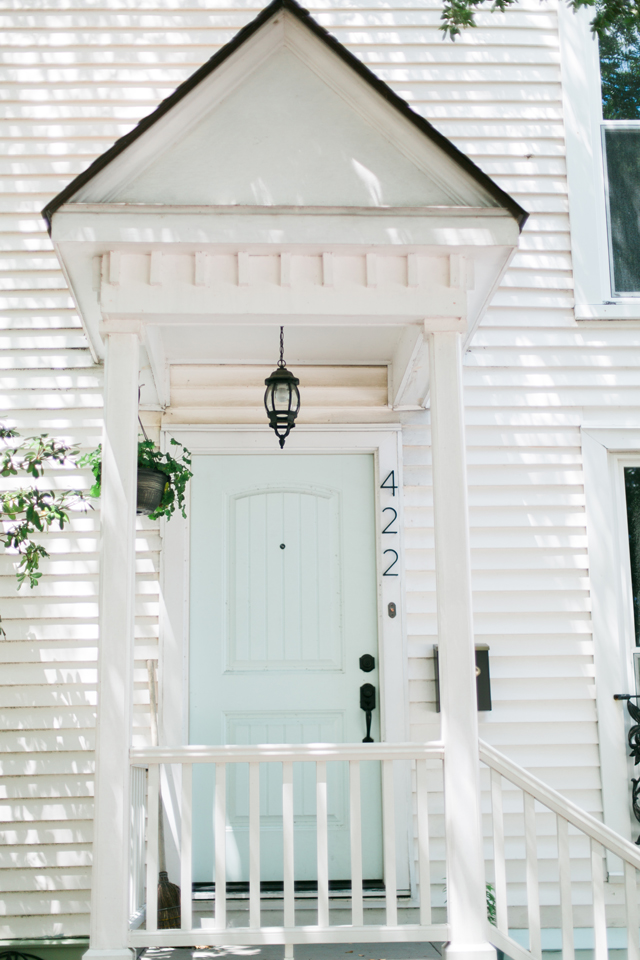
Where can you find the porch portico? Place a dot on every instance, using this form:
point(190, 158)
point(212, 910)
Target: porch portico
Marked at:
point(353, 224)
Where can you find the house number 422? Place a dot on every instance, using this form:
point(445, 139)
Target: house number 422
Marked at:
point(389, 522)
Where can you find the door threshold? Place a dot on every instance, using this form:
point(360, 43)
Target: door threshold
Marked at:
point(303, 889)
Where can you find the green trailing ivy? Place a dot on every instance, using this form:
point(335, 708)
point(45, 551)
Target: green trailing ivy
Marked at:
point(27, 511)
point(176, 469)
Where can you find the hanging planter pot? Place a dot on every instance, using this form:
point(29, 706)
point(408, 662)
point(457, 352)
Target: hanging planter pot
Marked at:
point(160, 491)
point(151, 486)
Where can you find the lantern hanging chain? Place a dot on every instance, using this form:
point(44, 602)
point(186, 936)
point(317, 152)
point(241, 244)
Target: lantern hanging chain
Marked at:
point(281, 362)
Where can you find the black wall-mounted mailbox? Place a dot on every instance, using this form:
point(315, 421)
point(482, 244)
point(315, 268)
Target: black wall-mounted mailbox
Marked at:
point(483, 677)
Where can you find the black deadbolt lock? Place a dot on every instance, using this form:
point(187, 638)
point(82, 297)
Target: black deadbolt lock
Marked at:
point(368, 703)
point(367, 663)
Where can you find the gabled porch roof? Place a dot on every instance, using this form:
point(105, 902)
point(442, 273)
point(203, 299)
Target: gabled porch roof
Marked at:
point(284, 184)
point(501, 198)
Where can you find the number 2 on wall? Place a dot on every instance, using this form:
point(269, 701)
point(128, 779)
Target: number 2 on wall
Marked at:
point(387, 572)
point(392, 521)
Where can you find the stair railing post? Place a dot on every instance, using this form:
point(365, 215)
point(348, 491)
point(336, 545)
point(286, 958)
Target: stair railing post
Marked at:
point(466, 892)
point(112, 842)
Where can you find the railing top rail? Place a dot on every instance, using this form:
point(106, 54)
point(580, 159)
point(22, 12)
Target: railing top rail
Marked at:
point(558, 804)
point(274, 752)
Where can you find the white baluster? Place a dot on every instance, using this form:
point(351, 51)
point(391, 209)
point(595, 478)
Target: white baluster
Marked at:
point(254, 845)
point(137, 855)
point(499, 864)
point(599, 915)
point(389, 843)
point(533, 891)
point(186, 875)
point(566, 909)
point(424, 867)
point(631, 898)
point(287, 843)
point(152, 848)
point(323, 843)
point(142, 796)
point(355, 822)
point(220, 833)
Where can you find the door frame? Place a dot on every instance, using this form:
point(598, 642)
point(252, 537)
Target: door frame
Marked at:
point(385, 443)
point(605, 452)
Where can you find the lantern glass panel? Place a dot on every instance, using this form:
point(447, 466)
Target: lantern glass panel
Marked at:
point(282, 396)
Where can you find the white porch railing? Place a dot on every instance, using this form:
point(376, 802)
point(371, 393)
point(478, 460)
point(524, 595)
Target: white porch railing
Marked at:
point(546, 858)
point(550, 856)
point(221, 928)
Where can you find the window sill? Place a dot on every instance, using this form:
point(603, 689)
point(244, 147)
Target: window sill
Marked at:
point(626, 311)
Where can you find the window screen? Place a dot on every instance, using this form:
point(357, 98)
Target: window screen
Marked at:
point(632, 488)
point(622, 150)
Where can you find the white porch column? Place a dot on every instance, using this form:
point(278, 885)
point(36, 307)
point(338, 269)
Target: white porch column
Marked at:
point(466, 902)
point(111, 844)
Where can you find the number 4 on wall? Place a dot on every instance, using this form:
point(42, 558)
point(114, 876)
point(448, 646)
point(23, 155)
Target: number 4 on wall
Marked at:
point(385, 485)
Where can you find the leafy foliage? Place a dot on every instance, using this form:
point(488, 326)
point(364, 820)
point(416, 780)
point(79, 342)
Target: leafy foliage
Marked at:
point(620, 72)
point(177, 472)
point(492, 916)
point(491, 905)
point(616, 15)
point(32, 510)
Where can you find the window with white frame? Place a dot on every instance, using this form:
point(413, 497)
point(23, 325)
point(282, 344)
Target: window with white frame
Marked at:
point(601, 102)
point(620, 79)
point(621, 150)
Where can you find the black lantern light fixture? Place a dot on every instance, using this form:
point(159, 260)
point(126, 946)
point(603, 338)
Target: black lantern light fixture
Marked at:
point(282, 397)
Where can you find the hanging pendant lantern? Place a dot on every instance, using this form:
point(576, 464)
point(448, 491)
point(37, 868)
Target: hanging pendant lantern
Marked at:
point(282, 397)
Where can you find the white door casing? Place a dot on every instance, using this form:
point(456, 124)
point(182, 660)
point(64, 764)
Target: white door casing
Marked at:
point(385, 446)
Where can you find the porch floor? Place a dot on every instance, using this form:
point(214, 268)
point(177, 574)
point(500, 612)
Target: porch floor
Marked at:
point(356, 951)
point(316, 951)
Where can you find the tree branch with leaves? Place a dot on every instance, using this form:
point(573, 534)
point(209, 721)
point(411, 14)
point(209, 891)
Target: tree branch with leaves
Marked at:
point(608, 15)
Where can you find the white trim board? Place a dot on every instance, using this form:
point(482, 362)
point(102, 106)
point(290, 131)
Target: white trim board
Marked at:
point(604, 451)
point(386, 446)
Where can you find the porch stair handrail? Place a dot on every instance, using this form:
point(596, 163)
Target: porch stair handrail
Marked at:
point(559, 804)
point(602, 838)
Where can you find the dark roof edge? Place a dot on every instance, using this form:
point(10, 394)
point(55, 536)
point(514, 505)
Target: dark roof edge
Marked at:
point(503, 198)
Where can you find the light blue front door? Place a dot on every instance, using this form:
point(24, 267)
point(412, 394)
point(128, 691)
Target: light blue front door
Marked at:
point(283, 605)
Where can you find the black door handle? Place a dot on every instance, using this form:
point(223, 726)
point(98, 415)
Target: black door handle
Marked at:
point(368, 703)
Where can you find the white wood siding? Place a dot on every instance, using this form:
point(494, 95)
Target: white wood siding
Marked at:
point(230, 393)
point(74, 80)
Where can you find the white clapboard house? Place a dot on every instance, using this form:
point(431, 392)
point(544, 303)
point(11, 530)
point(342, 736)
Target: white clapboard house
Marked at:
point(443, 231)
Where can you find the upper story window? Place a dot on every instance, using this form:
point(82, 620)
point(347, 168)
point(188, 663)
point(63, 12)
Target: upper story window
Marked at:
point(621, 143)
point(620, 74)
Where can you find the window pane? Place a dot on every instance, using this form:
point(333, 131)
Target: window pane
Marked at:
point(623, 171)
point(632, 487)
